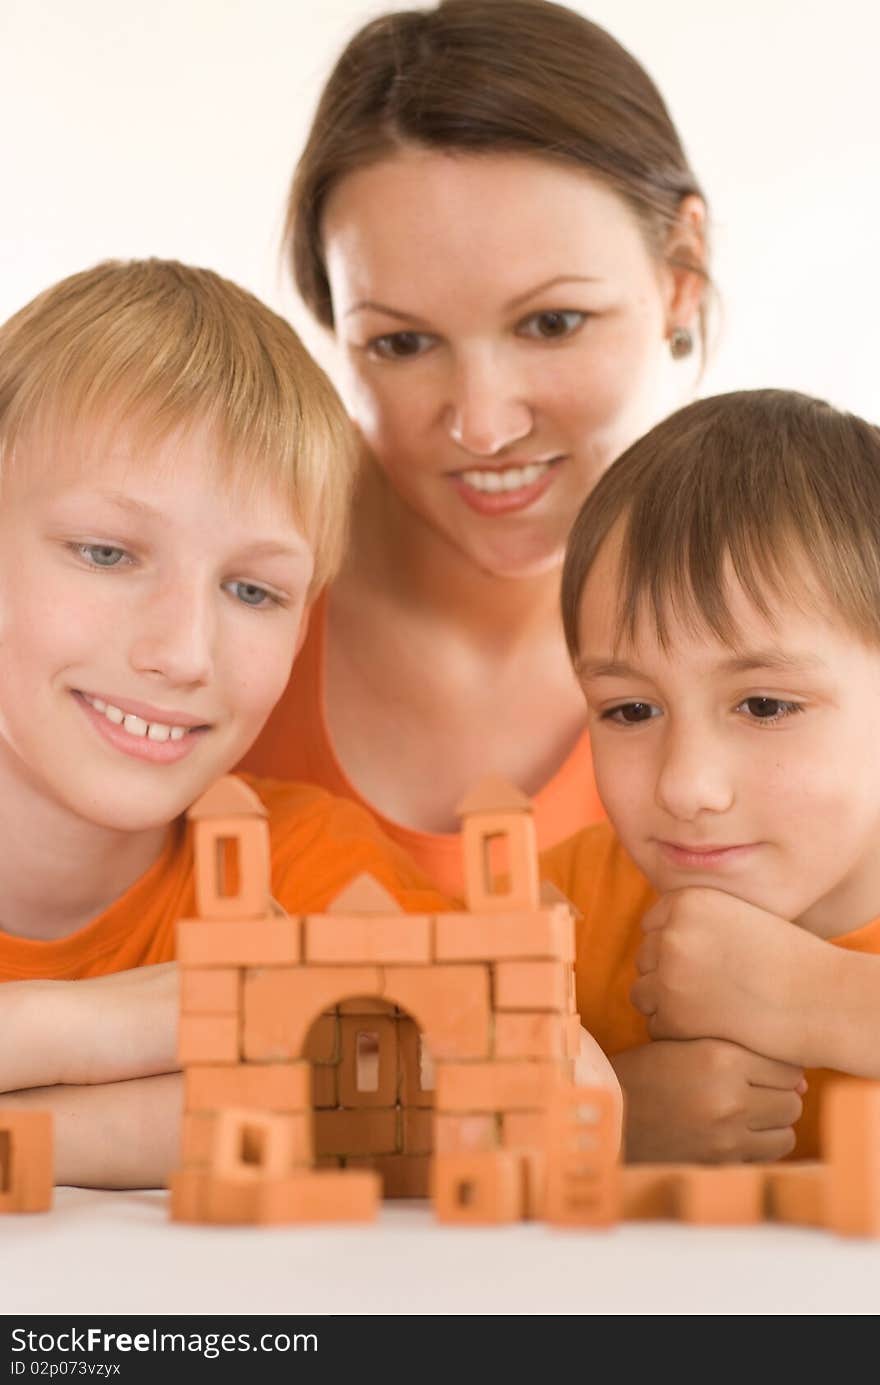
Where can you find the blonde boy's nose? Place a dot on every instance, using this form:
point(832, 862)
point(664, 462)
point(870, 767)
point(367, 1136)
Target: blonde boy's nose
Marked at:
point(173, 639)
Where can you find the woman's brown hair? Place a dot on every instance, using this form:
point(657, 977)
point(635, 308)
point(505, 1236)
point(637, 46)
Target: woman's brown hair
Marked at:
point(479, 76)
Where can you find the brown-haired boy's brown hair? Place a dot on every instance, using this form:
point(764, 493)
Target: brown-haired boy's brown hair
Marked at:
point(489, 76)
point(155, 346)
point(781, 487)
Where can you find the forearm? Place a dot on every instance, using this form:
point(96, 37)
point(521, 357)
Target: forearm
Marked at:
point(117, 1135)
point(106, 1029)
point(844, 1029)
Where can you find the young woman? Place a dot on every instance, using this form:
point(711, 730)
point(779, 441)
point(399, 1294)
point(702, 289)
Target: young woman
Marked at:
point(495, 217)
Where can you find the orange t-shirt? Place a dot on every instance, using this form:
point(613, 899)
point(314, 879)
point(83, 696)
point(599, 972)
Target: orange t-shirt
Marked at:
point(318, 844)
point(596, 874)
point(295, 744)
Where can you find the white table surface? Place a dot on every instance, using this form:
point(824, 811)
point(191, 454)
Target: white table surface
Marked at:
point(118, 1252)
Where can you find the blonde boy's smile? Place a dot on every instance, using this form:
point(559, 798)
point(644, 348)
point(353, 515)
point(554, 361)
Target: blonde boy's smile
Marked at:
point(753, 770)
point(142, 731)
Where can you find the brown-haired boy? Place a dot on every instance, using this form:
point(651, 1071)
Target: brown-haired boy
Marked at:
point(721, 600)
point(174, 480)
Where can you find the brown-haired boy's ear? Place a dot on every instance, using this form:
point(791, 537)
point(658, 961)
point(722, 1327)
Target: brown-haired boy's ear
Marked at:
point(686, 262)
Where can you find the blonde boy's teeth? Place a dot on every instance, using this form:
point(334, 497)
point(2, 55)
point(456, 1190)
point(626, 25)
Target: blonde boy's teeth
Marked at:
point(177, 733)
point(98, 705)
point(158, 732)
point(135, 726)
point(113, 714)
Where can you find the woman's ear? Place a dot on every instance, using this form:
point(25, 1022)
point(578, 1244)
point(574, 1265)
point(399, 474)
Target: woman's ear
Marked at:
point(685, 262)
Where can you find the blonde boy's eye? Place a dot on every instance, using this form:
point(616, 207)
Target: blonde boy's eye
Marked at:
point(100, 554)
point(249, 594)
point(552, 325)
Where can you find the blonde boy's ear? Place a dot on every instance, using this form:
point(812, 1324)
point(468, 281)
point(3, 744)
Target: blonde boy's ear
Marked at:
point(686, 262)
point(303, 629)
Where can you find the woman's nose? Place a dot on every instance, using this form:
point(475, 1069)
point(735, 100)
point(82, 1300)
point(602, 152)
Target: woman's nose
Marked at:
point(488, 412)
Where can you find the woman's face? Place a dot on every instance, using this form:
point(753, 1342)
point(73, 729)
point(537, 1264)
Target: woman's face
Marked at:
point(503, 328)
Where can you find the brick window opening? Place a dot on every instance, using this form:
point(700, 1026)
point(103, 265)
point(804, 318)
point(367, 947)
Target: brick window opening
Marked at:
point(367, 1061)
point(465, 1193)
point(227, 865)
point(253, 1146)
point(496, 863)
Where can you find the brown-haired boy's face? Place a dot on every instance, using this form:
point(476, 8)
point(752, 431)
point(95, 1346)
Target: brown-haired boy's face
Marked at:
point(148, 620)
point(753, 770)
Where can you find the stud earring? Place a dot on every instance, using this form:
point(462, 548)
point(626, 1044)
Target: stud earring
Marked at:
point(681, 343)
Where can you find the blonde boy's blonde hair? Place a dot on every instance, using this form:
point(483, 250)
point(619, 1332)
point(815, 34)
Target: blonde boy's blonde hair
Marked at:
point(156, 346)
point(780, 488)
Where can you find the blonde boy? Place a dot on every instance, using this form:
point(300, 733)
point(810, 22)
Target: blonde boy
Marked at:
point(721, 600)
point(174, 480)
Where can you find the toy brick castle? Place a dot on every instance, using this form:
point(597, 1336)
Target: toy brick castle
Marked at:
point(333, 1059)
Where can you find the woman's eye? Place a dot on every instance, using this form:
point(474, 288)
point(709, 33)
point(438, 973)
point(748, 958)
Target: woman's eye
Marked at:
point(249, 594)
point(630, 713)
point(550, 326)
point(100, 554)
point(397, 346)
point(770, 708)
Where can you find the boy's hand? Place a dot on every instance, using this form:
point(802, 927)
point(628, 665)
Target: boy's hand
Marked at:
point(713, 966)
point(707, 1101)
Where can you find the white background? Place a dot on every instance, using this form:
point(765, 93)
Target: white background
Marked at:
point(170, 127)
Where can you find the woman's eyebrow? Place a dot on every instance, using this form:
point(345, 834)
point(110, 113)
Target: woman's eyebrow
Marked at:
point(550, 284)
point(369, 305)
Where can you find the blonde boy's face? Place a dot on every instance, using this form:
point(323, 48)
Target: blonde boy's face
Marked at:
point(148, 620)
point(755, 771)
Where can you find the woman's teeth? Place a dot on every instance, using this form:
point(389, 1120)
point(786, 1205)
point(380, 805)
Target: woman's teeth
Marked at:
point(136, 726)
point(512, 478)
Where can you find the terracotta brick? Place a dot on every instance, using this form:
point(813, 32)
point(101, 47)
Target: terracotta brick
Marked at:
point(263, 942)
point(415, 1073)
point(497, 1086)
point(188, 1189)
point(533, 1168)
point(539, 933)
point(796, 1193)
point(851, 1142)
point(582, 1165)
point(728, 1196)
point(27, 1161)
point(649, 1192)
point(325, 1086)
point(197, 1138)
point(533, 1034)
point(533, 986)
point(245, 842)
point(402, 1175)
point(322, 1196)
point(479, 1188)
point(322, 1043)
point(365, 1006)
point(266, 1087)
point(208, 1039)
point(520, 888)
point(252, 1146)
point(463, 1134)
point(210, 992)
point(357, 1132)
point(368, 940)
point(418, 1130)
point(524, 1129)
point(231, 1202)
point(281, 1006)
point(572, 1035)
point(450, 1003)
point(377, 1061)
